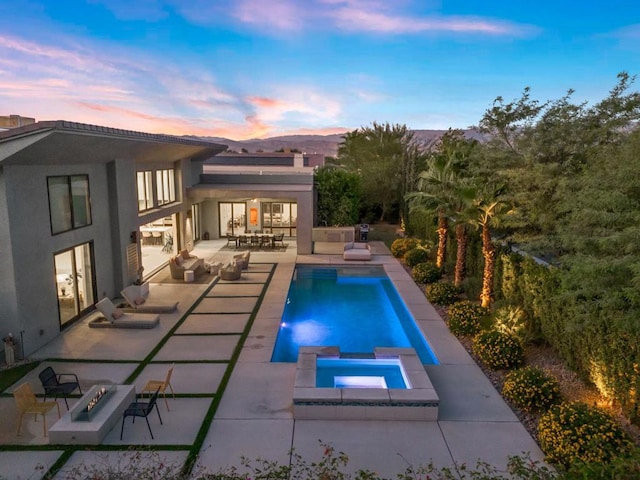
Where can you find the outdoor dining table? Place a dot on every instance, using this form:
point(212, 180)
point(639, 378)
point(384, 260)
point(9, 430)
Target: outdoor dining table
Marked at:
point(259, 236)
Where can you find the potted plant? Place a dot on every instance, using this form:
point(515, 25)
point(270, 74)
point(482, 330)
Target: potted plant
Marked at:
point(9, 349)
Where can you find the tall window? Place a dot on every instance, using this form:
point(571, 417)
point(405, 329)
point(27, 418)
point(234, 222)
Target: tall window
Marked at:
point(74, 281)
point(165, 187)
point(280, 217)
point(145, 190)
point(69, 202)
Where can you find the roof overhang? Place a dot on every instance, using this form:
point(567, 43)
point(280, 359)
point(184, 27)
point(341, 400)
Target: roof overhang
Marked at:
point(60, 142)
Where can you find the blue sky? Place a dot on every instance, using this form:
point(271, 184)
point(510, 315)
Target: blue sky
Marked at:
point(258, 68)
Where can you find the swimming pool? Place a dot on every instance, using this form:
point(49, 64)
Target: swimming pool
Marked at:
point(360, 373)
point(355, 308)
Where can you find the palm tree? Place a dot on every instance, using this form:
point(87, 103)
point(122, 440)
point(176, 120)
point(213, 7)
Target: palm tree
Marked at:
point(435, 188)
point(463, 212)
point(489, 214)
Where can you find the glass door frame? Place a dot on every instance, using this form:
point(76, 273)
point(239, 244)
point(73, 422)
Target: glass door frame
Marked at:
point(72, 282)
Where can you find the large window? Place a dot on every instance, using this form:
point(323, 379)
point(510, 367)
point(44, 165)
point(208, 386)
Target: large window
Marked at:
point(165, 187)
point(74, 282)
point(280, 217)
point(233, 219)
point(145, 190)
point(69, 202)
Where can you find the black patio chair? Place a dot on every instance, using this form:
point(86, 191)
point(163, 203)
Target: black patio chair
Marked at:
point(231, 239)
point(279, 238)
point(141, 409)
point(53, 384)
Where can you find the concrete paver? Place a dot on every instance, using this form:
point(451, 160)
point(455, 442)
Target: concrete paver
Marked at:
point(230, 439)
point(27, 465)
point(187, 378)
point(214, 323)
point(198, 347)
point(120, 461)
point(386, 447)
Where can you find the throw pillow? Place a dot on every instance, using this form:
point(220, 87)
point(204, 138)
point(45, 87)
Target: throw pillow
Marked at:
point(139, 301)
point(178, 260)
point(117, 313)
point(185, 255)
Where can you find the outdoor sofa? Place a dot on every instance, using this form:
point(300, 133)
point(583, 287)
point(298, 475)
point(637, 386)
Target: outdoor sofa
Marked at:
point(183, 262)
point(356, 251)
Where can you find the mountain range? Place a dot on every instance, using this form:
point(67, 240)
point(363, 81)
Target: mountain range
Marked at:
point(324, 144)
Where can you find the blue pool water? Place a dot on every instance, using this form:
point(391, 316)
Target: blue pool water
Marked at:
point(356, 308)
point(354, 372)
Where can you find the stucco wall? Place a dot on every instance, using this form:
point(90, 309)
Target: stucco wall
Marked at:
point(33, 246)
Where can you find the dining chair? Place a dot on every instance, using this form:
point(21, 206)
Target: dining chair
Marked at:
point(146, 238)
point(28, 403)
point(141, 409)
point(153, 385)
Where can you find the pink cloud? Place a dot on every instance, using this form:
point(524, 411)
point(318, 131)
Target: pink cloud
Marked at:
point(266, 102)
point(365, 16)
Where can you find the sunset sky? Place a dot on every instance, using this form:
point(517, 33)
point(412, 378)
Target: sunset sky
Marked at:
point(258, 68)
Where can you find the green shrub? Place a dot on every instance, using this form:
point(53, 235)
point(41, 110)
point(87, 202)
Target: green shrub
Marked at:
point(402, 245)
point(442, 293)
point(572, 433)
point(531, 389)
point(465, 318)
point(512, 319)
point(498, 350)
point(426, 272)
point(415, 256)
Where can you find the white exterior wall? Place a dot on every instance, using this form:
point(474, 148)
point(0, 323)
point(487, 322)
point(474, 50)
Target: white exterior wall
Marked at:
point(32, 248)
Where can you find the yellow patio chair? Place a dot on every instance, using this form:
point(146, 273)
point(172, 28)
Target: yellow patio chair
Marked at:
point(153, 385)
point(28, 403)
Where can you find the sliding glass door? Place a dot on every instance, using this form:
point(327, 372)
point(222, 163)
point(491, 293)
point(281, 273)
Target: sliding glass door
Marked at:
point(74, 282)
point(233, 218)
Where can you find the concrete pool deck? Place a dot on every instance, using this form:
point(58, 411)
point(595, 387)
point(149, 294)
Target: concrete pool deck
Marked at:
point(253, 400)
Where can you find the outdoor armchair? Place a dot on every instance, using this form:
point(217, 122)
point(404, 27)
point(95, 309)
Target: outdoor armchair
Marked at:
point(28, 403)
point(52, 384)
point(141, 409)
point(161, 385)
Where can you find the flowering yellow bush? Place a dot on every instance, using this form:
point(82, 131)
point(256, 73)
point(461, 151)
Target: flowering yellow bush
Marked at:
point(573, 433)
point(442, 293)
point(531, 389)
point(426, 272)
point(465, 318)
point(498, 350)
point(400, 246)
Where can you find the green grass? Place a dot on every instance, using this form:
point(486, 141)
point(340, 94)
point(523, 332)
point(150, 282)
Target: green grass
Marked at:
point(11, 375)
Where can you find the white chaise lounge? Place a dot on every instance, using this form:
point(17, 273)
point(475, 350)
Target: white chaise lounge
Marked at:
point(356, 251)
point(116, 318)
point(139, 301)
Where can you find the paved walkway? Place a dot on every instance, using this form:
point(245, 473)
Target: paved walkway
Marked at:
point(230, 394)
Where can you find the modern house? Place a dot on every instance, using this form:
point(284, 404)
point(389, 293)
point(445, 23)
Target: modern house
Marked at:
point(79, 204)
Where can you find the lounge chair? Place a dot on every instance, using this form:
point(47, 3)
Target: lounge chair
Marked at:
point(116, 318)
point(139, 302)
point(243, 258)
point(231, 271)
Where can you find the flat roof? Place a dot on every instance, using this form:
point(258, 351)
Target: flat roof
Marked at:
point(63, 142)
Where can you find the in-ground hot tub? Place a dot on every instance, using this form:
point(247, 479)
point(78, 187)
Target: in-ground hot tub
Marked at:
point(364, 387)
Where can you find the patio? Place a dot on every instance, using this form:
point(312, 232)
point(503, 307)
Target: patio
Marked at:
point(221, 338)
